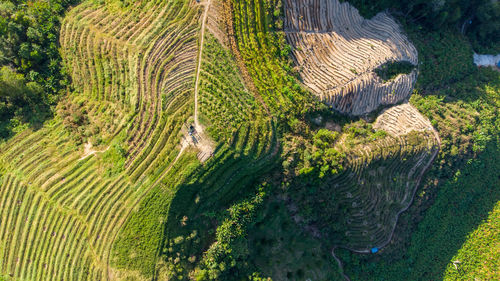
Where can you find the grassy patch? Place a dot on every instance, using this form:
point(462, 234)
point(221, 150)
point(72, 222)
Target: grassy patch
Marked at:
point(478, 257)
point(137, 245)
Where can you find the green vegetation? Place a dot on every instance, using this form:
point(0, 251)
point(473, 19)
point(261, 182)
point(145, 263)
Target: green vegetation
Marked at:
point(72, 184)
point(264, 49)
point(211, 189)
point(225, 102)
point(137, 244)
point(472, 193)
point(322, 159)
point(221, 259)
point(462, 103)
point(478, 258)
point(334, 205)
point(32, 75)
point(282, 250)
point(326, 191)
point(478, 19)
point(445, 57)
point(112, 184)
point(391, 70)
point(176, 246)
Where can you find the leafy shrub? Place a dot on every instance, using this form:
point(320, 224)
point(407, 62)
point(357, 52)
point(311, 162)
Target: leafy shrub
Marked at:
point(391, 70)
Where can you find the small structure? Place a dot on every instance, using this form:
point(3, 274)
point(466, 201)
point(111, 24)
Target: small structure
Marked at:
point(192, 133)
point(374, 250)
point(487, 60)
point(191, 130)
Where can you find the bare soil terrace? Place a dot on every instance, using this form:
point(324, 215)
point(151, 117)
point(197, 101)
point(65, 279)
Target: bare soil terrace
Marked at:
point(337, 51)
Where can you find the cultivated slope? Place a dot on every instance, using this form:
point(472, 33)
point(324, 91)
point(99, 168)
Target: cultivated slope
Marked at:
point(65, 203)
point(337, 51)
point(381, 178)
point(64, 210)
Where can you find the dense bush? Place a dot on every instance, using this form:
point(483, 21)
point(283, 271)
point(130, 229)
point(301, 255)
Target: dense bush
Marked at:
point(226, 259)
point(478, 19)
point(391, 70)
point(317, 158)
point(32, 73)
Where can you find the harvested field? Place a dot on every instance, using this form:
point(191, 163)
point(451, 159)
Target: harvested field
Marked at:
point(337, 51)
point(402, 119)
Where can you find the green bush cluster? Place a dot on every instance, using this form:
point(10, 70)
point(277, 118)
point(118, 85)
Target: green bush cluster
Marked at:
point(391, 70)
point(227, 258)
point(32, 72)
point(321, 158)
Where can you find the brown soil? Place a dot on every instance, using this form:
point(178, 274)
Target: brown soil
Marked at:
point(88, 150)
point(337, 51)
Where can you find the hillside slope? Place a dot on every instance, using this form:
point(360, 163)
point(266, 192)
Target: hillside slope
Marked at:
point(337, 51)
point(197, 141)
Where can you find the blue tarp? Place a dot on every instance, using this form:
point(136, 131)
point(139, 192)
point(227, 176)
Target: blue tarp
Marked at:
point(374, 250)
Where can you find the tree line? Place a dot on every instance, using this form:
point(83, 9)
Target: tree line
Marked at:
point(31, 72)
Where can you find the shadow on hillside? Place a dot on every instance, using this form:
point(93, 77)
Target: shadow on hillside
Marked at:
point(13, 118)
point(198, 204)
point(462, 203)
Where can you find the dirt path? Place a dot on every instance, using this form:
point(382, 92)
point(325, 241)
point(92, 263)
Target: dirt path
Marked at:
point(341, 267)
point(197, 125)
point(88, 151)
point(199, 139)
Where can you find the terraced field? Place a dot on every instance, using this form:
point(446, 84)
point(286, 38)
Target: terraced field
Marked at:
point(401, 120)
point(248, 147)
point(225, 102)
point(133, 71)
point(337, 51)
point(64, 211)
point(378, 184)
point(143, 72)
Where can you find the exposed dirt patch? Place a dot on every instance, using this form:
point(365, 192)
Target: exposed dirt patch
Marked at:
point(402, 119)
point(216, 23)
point(333, 127)
point(199, 140)
point(88, 150)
